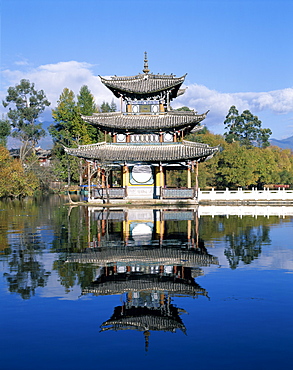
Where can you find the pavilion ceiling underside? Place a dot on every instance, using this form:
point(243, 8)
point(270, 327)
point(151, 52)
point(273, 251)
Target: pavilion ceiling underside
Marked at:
point(146, 153)
point(165, 256)
point(143, 84)
point(143, 123)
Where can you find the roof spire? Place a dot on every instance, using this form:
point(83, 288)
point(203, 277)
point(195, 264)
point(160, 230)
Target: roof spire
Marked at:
point(146, 334)
point(146, 65)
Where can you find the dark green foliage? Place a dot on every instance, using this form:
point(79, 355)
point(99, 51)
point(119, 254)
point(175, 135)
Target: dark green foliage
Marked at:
point(86, 107)
point(5, 129)
point(185, 109)
point(245, 128)
point(86, 102)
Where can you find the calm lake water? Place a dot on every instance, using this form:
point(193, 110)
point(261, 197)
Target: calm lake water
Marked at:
point(88, 288)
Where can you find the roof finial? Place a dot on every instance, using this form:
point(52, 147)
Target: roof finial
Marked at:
point(146, 66)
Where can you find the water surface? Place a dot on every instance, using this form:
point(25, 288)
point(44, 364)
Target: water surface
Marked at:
point(89, 288)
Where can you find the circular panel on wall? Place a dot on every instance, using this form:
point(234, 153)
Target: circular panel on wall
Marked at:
point(155, 108)
point(141, 174)
point(168, 137)
point(121, 138)
point(142, 231)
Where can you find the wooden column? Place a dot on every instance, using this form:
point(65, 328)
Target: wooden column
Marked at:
point(125, 176)
point(103, 178)
point(89, 180)
point(99, 175)
point(196, 180)
point(125, 226)
point(161, 180)
point(188, 177)
point(189, 230)
point(129, 108)
point(99, 233)
point(196, 229)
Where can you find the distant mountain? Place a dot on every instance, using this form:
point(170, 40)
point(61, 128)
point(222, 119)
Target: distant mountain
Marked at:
point(284, 144)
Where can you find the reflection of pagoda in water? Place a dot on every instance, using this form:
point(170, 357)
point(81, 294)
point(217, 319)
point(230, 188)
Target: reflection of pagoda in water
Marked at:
point(151, 263)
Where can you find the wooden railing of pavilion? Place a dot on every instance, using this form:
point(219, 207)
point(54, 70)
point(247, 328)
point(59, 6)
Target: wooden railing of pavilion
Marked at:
point(165, 193)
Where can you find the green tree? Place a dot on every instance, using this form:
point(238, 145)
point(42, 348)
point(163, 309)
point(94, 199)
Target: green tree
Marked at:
point(5, 130)
point(113, 106)
point(86, 107)
point(245, 128)
point(236, 167)
point(231, 125)
point(207, 170)
point(27, 106)
point(65, 133)
point(86, 101)
point(106, 107)
point(71, 130)
point(184, 109)
point(65, 116)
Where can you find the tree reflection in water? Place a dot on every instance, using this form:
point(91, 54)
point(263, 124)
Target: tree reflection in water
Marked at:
point(21, 233)
point(246, 246)
point(26, 273)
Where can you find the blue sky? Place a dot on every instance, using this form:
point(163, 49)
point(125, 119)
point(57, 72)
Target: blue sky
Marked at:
point(235, 52)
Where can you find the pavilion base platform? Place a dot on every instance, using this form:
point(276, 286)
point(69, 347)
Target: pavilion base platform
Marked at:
point(146, 202)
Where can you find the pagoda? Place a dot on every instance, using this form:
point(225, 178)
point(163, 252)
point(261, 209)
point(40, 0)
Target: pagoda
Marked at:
point(147, 139)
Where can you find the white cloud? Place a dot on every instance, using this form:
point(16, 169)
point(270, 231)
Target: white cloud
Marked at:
point(201, 98)
point(53, 78)
point(21, 63)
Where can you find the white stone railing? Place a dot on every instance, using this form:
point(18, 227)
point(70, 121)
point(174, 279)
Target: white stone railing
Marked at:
point(245, 195)
point(246, 210)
